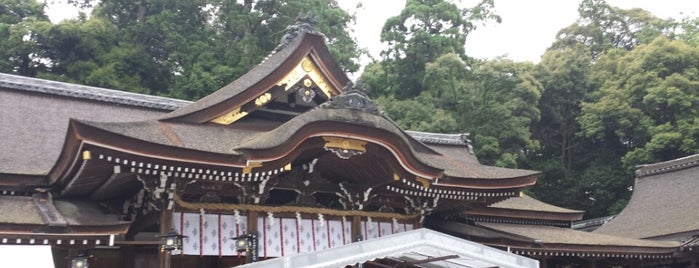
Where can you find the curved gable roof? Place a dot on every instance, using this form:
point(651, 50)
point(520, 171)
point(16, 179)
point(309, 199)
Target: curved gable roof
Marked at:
point(262, 78)
point(350, 115)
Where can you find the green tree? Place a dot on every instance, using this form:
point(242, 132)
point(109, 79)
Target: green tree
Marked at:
point(601, 27)
point(595, 112)
point(563, 75)
point(21, 25)
point(689, 31)
point(498, 108)
point(649, 101)
point(446, 80)
point(578, 172)
point(419, 114)
point(376, 81)
point(183, 49)
point(425, 30)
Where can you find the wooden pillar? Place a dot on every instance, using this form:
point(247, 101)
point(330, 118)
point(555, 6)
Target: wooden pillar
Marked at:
point(127, 256)
point(252, 221)
point(357, 228)
point(252, 227)
point(165, 226)
point(592, 263)
point(72, 252)
point(634, 263)
point(543, 262)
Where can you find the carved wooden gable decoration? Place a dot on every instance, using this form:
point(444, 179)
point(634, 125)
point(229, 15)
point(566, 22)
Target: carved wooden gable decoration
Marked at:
point(305, 86)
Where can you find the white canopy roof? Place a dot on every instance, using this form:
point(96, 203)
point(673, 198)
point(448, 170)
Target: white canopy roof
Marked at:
point(26, 256)
point(415, 245)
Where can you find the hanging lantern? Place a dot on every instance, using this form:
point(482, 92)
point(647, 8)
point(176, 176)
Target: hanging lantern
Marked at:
point(248, 243)
point(80, 261)
point(171, 241)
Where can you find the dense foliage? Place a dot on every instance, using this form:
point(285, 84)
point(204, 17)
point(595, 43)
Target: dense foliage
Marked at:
point(617, 88)
point(183, 49)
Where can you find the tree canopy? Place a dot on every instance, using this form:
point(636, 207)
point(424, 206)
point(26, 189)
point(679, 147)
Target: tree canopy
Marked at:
point(182, 49)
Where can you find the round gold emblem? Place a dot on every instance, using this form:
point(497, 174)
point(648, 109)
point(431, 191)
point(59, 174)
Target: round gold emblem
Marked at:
point(307, 65)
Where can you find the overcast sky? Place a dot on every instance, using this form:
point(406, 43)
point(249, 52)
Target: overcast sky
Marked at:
point(528, 26)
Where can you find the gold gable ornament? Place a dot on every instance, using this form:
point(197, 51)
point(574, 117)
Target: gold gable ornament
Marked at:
point(306, 72)
point(344, 148)
point(262, 100)
point(306, 68)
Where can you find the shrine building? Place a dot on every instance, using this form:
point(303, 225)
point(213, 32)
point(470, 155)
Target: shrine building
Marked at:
point(287, 164)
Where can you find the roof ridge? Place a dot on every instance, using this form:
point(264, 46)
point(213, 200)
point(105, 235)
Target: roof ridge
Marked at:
point(442, 138)
point(71, 90)
point(667, 166)
point(590, 222)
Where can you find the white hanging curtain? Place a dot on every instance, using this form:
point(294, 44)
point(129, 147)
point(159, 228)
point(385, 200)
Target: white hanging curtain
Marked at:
point(211, 234)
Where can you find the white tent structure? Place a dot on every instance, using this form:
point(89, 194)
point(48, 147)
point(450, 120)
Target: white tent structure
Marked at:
point(26, 256)
point(422, 246)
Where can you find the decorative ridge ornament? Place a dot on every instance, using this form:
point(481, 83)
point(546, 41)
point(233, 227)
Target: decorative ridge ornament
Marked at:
point(305, 23)
point(352, 99)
